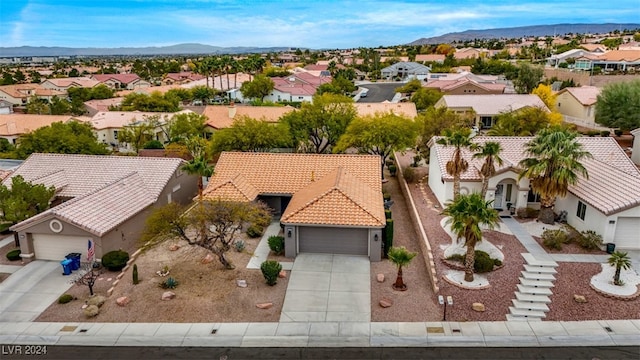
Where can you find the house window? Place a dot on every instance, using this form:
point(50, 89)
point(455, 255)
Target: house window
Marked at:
point(115, 134)
point(486, 121)
point(176, 188)
point(582, 209)
point(532, 196)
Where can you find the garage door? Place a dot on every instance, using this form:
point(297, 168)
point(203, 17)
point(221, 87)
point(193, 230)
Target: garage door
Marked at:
point(56, 247)
point(627, 233)
point(333, 240)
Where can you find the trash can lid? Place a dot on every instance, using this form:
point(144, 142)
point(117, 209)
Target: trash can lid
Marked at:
point(66, 262)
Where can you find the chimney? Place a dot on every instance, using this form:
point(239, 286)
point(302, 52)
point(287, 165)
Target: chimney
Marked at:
point(232, 110)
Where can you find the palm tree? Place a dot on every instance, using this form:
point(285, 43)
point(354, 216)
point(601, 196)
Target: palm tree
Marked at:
point(458, 138)
point(467, 213)
point(400, 256)
point(490, 152)
point(553, 165)
point(621, 261)
point(199, 164)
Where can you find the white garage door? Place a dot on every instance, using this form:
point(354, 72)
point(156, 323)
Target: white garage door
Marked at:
point(627, 231)
point(56, 247)
point(333, 240)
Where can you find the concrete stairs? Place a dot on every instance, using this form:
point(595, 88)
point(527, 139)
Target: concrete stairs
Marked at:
point(532, 296)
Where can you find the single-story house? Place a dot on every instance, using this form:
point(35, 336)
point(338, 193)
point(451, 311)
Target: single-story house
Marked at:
point(608, 202)
point(63, 84)
point(103, 198)
point(121, 81)
point(14, 125)
point(578, 105)
point(407, 109)
point(406, 70)
point(328, 203)
point(487, 107)
point(223, 116)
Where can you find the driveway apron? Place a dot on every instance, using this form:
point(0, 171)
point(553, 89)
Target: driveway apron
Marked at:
point(326, 287)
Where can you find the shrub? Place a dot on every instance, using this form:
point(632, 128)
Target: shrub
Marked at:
point(590, 240)
point(389, 162)
point(483, 262)
point(388, 237)
point(115, 260)
point(393, 170)
point(387, 214)
point(169, 283)
point(527, 213)
point(270, 270)
point(456, 257)
point(416, 160)
point(497, 262)
point(13, 255)
point(136, 280)
point(91, 311)
point(276, 244)
point(96, 300)
point(239, 245)
point(386, 196)
point(410, 175)
point(618, 132)
point(254, 231)
point(605, 133)
point(554, 239)
point(153, 144)
point(65, 298)
point(592, 133)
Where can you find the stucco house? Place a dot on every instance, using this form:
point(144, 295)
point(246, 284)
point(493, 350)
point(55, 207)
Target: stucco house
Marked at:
point(19, 94)
point(13, 126)
point(578, 105)
point(223, 116)
point(64, 84)
point(103, 198)
point(121, 81)
point(327, 203)
point(405, 70)
point(608, 202)
point(635, 149)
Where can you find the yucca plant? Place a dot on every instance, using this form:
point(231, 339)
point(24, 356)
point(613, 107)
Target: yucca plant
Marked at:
point(169, 283)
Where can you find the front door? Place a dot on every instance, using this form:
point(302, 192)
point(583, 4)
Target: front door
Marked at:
point(497, 202)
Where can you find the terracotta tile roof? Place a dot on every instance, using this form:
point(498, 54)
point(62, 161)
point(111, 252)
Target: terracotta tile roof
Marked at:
point(103, 104)
point(122, 78)
point(119, 119)
point(407, 109)
point(18, 124)
point(492, 104)
point(4, 174)
point(222, 116)
point(613, 184)
point(77, 81)
point(336, 199)
point(586, 95)
point(21, 90)
point(620, 55)
point(449, 85)
point(430, 57)
point(233, 189)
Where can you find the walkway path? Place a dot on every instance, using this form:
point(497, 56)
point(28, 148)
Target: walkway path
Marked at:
point(261, 253)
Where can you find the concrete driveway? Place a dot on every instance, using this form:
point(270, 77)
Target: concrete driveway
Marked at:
point(30, 290)
point(325, 287)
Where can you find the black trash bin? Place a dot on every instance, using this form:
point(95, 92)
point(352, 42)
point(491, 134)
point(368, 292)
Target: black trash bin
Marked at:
point(75, 258)
point(611, 247)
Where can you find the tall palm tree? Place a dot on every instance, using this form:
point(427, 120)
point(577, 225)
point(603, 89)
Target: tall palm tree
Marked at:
point(460, 139)
point(621, 261)
point(553, 165)
point(466, 214)
point(199, 164)
point(400, 256)
point(490, 152)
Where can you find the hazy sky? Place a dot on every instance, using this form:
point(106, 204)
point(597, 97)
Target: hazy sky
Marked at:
point(309, 24)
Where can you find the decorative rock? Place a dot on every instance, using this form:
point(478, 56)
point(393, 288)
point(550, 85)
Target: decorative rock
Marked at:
point(264, 305)
point(385, 303)
point(122, 301)
point(479, 307)
point(168, 295)
point(207, 259)
point(174, 247)
point(241, 283)
point(580, 299)
point(380, 278)
point(109, 279)
point(282, 274)
point(84, 306)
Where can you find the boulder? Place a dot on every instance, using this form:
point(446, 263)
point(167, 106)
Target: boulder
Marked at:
point(97, 300)
point(207, 259)
point(479, 307)
point(84, 306)
point(282, 274)
point(580, 299)
point(385, 303)
point(380, 278)
point(168, 295)
point(241, 283)
point(174, 247)
point(122, 301)
point(264, 305)
point(91, 311)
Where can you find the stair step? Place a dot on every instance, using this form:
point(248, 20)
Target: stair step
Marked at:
point(536, 283)
point(532, 298)
point(530, 306)
point(521, 318)
point(526, 313)
point(533, 290)
point(540, 269)
point(535, 262)
point(537, 276)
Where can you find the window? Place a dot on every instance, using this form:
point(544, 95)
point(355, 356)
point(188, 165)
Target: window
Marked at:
point(582, 209)
point(533, 197)
point(486, 121)
point(115, 134)
point(176, 188)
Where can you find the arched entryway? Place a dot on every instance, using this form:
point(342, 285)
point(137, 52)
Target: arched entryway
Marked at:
point(505, 194)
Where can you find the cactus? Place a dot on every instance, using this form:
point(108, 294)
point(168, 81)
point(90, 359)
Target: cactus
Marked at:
point(239, 245)
point(136, 280)
point(170, 283)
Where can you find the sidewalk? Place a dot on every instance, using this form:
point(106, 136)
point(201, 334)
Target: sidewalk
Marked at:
point(261, 252)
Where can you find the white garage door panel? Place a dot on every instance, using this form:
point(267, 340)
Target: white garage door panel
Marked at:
point(333, 240)
point(627, 233)
point(56, 247)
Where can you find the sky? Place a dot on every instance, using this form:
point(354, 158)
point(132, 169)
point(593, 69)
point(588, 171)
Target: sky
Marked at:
point(323, 24)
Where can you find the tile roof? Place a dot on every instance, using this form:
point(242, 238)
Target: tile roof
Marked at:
point(613, 184)
point(586, 95)
point(103, 104)
point(119, 119)
point(4, 174)
point(407, 109)
point(18, 124)
point(77, 81)
point(222, 116)
point(492, 104)
point(336, 199)
point(620, 55)
point(21, 90)
point(449, 85)
point(236, 188)
point(123, 78)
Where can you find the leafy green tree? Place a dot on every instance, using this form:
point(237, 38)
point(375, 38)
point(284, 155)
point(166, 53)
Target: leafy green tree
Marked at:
point(523, 122)
point(23, 200)
point(184, 126)
point(259, 87)
point(223, 221)
point(59, 106)
point(338, 85)
point(19, 76)
point(400, 257)
point(181, 94)
point(425, 97)
point(553, 164)
point(73, 137)
point(612, 43)
point(6, 146)
point(317, 126)
point(467, 214)
point(137, 134)
point(434, 121)
point(156, 102)
point(203, 93)
point(490, 152)
point(380, 134)
point(248, 134)
point(100, 92)
point(74, 72)
point(621, 261)
point(528, 78)
point(459, 139)
point(410, 87)
point(7, 78)
point(38, 106)
point(618, 105)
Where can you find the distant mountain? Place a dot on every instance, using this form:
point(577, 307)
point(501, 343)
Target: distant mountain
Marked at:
point(523, 31)
point(152, 50)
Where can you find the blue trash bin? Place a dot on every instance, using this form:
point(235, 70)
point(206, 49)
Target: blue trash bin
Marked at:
point(75, 258)
point(66, 266)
